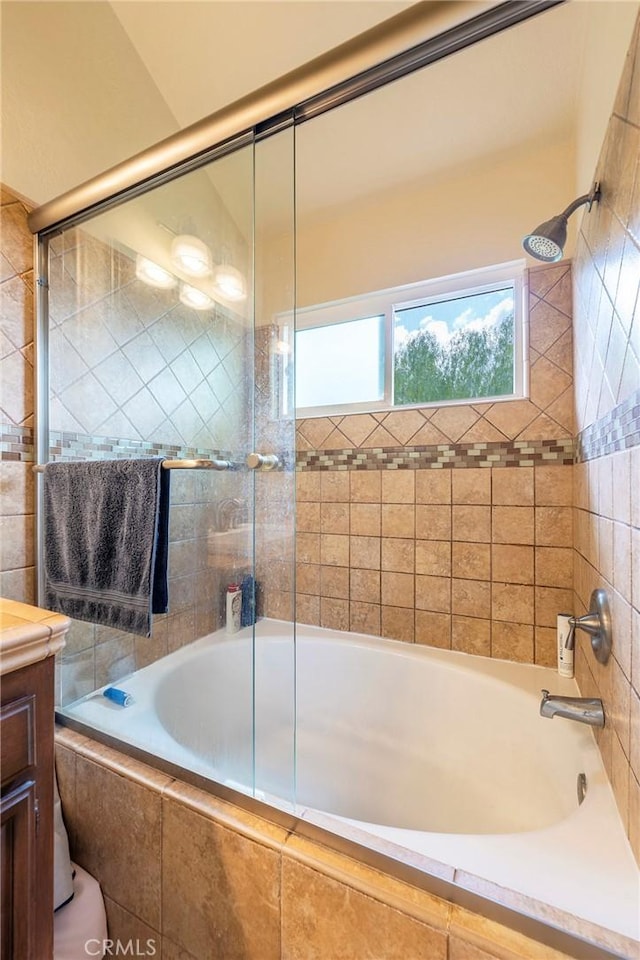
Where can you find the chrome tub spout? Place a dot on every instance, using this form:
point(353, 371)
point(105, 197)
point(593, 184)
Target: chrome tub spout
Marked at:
point(583, 709)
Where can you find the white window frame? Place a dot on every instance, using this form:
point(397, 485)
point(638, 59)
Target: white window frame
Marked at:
point(386, 302)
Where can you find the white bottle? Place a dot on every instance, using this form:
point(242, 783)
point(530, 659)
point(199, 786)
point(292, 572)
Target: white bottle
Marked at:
point(234, 607)
point(565, 656)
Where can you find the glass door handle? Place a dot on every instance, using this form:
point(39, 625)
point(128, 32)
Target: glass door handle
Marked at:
point(262, 461)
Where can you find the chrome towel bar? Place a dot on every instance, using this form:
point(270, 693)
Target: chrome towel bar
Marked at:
point(173, 465)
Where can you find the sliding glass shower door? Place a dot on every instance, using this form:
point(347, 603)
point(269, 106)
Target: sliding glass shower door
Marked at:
point(161, 338)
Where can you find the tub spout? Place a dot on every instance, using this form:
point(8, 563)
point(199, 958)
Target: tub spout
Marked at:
point(583, 709)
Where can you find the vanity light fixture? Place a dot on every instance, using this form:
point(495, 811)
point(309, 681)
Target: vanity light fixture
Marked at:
point(192, 297)
point(547, 241)
point(152, 274)
point(191, 255)
point(229, 282)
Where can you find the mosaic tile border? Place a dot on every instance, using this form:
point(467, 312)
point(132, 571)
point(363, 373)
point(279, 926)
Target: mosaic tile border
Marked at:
point(16, 443)
point(510, 453)
point(617, 430)
point(78, 446)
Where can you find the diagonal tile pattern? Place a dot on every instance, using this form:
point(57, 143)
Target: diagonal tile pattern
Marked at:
point(127, 358)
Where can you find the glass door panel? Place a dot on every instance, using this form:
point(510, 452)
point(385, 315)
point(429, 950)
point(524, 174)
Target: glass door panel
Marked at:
point(274, 486)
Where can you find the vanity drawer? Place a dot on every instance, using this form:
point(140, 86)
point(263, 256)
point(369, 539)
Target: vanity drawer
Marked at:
point(18, 737)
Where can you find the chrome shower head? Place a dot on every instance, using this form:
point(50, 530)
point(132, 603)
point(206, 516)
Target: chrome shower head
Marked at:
point(547, 241)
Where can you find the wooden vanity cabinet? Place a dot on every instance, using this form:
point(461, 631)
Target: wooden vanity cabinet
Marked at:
point(26, 772)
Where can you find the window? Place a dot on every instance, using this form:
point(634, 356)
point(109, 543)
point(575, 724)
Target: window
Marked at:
point(455, 339)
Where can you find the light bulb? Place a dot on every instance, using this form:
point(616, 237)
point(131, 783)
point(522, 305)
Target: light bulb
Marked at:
point(191, 256)
point(229, 283)
point(150, 273)
point(192, 297)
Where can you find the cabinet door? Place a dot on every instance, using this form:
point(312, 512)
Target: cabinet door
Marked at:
point(18, 871)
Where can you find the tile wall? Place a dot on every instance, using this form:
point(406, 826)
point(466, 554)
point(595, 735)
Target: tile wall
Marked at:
point(607, 474)
point(448, 526)
point(16, 402)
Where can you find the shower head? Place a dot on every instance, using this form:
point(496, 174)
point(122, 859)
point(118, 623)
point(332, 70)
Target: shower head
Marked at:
point(547, 241)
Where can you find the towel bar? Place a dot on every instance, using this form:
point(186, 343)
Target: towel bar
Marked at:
point(174, 465)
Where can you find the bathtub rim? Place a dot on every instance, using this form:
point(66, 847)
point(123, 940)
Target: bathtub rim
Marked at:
point(568, 934)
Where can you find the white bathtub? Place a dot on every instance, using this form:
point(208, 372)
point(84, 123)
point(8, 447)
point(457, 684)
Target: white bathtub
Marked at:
point(419, 752)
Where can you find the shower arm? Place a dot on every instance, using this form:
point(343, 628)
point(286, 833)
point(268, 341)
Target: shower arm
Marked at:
point(592, 197)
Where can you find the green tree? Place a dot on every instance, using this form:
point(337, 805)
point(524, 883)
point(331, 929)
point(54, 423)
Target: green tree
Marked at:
point(474, 363)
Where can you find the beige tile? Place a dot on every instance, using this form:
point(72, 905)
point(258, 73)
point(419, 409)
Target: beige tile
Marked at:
point(357, 427)
point(125, 928)
point(365, 486)
point(403, 424)
point(634, 731)
point(398, 486)
point(434, 486)
point(471, 485)
point(365, 586)
point(511, 563)
point(620, 777)
point(334, 518)
point(323, 918)
point(308, 547)
point(545, 647)
point(364, 618)
point(218, 888)
point(16, 488)
point(512, 602)
point(453, 421)
point(398, 520)
point(365, 552)
point(462, 950)
point(366, 519)
point(308, 578)
point(433, 522)
point(554, 567)
point(512, 416)
point(471, 598)
point(307, 517)
point(471, 635)
point(334, 614)
point(334, 486)
point(472, 523)
point(397, 623)
point(554, 526)
point(433, 593)
point(433, 629)
point(113, 814)
point(398, 555)
point(513, 525)
point(471, 561)
point(307, 485)
point(307, 609)
point(549, 602)
point(432, 557)
point(334, 582)
point(512, 641)
point(512, 486)
point(334, 549)
point(397, 589)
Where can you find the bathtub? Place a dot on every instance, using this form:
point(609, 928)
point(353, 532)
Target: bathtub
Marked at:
point(430, 756)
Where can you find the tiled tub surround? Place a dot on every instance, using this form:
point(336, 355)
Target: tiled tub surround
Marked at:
point(607, 480)
point(207, 879)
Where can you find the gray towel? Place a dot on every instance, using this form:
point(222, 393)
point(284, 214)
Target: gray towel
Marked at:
point(106, 541)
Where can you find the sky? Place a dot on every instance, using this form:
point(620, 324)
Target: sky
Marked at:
point(446, 317)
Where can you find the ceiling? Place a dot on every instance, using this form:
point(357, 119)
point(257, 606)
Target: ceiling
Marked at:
point(86, 85)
